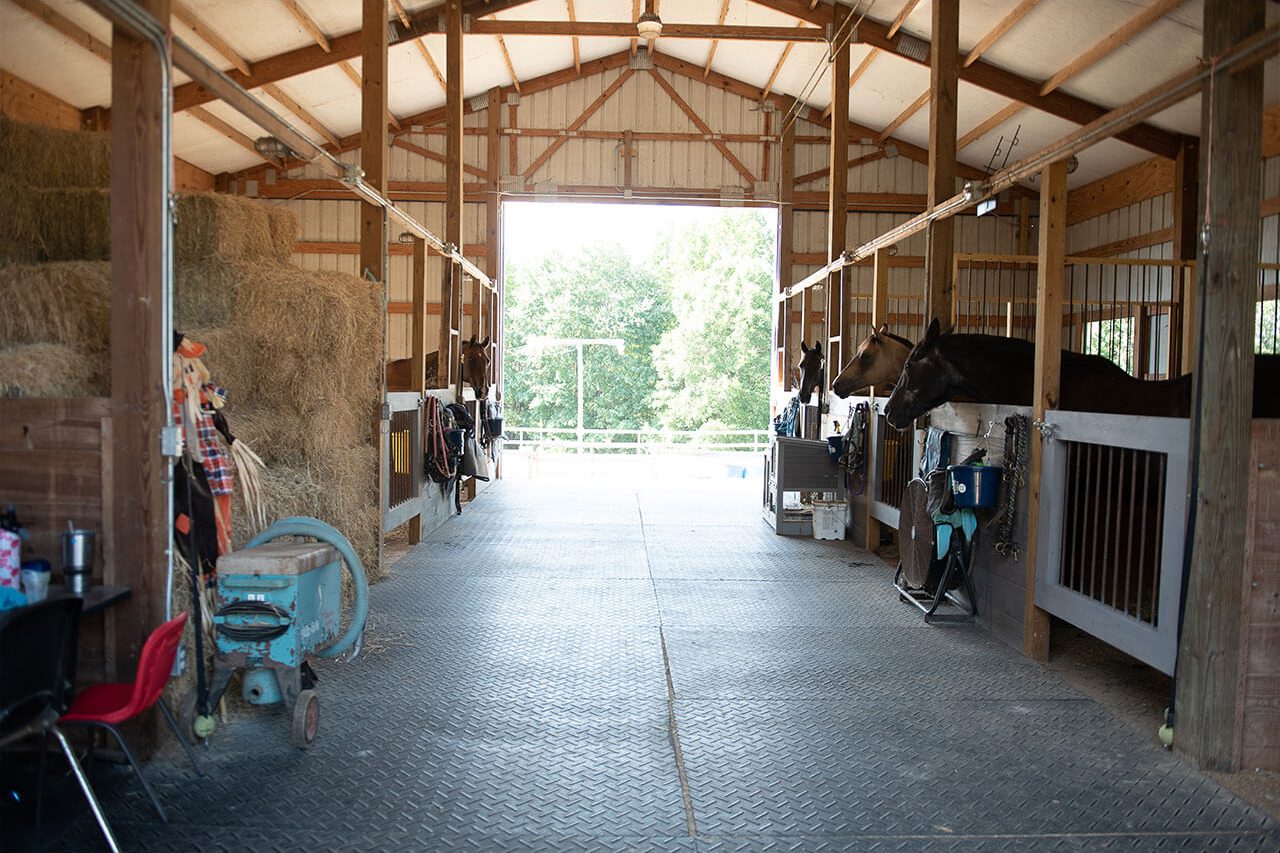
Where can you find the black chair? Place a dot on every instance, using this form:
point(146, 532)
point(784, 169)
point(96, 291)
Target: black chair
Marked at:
point(37, 671)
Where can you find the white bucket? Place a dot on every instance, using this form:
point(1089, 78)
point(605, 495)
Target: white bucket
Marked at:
point(828, 519)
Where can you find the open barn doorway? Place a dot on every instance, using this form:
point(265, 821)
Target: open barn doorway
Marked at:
point(636, 340)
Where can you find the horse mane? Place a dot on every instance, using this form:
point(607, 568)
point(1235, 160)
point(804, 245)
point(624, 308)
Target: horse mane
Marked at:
point(899, 338)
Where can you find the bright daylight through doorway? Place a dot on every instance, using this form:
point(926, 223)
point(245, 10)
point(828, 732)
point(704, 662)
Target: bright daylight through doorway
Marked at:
point(636, 340)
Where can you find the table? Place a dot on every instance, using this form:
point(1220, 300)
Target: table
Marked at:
point(96, 598)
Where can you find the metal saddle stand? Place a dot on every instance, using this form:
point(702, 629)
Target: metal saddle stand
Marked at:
point(956, 571)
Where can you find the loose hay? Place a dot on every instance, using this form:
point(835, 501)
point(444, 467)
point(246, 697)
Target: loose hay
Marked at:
point(45, 157)
point(58, 224)
point(213, 227)
point(51, 370)
point(64, 303)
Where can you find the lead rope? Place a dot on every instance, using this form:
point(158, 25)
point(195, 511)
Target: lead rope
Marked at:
point(1016, 452)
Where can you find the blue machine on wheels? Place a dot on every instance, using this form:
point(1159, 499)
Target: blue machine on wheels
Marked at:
point(277, 603)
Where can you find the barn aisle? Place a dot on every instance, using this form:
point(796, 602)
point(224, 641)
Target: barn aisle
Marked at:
point(603, 668)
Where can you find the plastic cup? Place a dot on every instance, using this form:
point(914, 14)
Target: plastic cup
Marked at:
point(35, 583)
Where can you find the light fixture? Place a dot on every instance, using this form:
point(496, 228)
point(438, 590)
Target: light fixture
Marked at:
point(1073, 163)
point(405, 237)
point(272, 148)
point(649, 26)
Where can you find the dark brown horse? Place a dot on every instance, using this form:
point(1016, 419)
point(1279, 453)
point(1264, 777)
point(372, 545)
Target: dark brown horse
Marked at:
point(990, 369)
point(400, 373)
point(811, 366)
point(878, 361)
point(475, 366)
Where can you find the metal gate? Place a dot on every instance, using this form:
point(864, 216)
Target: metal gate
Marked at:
point(1112, 526)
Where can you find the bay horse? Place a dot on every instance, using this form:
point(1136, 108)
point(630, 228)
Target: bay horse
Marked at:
point(475, 366)
point(400, 372)
point(878, 361)
point(810, 368)
point(991, 369)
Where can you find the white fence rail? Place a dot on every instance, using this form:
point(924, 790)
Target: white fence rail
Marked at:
point(636, 441)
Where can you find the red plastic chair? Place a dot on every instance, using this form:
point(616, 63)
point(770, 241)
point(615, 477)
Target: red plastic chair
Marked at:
point(107, 705)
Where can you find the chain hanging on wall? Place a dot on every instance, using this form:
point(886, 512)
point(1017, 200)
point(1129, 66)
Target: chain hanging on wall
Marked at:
point(1017, 450)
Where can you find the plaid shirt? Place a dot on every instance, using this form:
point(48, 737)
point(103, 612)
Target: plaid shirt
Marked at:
point(217, 468)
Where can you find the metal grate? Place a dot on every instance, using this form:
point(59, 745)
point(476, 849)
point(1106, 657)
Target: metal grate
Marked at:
point(995, 297)
point(894, 455)
point(1113, 523)
point(402, 483)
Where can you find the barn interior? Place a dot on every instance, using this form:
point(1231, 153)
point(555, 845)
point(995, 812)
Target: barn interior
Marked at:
point(252, 352)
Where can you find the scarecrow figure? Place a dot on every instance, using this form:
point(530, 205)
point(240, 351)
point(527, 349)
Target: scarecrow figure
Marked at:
point(197, 405)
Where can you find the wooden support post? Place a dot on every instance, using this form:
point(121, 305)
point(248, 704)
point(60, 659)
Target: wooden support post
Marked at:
point(1210, 657)
point(1186, 219)
point(451, 298)
point(373, 160)
point(137, 537)
point(418, 344)
point(783, 339)
point(493, 233)
point(940, 243)
point(1049, 272)
point(879, 314)
point(837, 192)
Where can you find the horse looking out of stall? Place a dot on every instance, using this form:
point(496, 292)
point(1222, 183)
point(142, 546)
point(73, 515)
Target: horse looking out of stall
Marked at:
point(475, 366)
point(877, 361)
point(811, 374)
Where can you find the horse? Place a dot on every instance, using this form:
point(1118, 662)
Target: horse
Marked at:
point(877, 361)
point(400, 372)
point(990, 369)
point(475, 366)
point(811, 374)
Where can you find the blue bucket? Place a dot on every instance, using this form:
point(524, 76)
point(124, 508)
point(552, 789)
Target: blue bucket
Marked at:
point(835, 447)
point(975, 485)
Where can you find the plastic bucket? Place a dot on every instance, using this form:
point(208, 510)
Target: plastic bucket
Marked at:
point(835, 447)
point(975, 485)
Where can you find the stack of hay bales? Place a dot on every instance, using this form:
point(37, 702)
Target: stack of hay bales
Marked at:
point(298, 351)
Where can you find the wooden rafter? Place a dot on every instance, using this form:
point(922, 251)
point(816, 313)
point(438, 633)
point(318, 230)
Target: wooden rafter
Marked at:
point(902, 17)
point(511, 68)
point(211, 37)
point(777, 68)
point(711, 51)
point(401, 142)
point(1109, 43)
point(306, 22)
point(68, 28)
point(635, 18)
point(990, 123)
point(609, 29)
point(578, 122)
point(713, 138)
point(222, 127)
point(431, 63)
point(902, 118)
point(826, 170)
point(857, 73)
point(997, 32)
point(354, 76)
point(577, 54)
point(398, 8)
point(301, 112)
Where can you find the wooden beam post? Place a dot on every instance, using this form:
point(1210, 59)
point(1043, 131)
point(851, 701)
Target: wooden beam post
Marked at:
point(418, 367)
point(1186, 219)
point(451, 298)
point(1049, 272)
point(879, 314)
point(940, 240)
point(784, 341)
point(837, 192)
point(137, 537)
point(493, 234)
point(1210, 662)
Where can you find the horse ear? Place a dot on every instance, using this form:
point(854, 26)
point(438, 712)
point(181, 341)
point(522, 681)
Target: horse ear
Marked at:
point(817, 347)
point(934, 329)
point(803, 348)
point(884, 329)
point(874, 334)
point(485, 343)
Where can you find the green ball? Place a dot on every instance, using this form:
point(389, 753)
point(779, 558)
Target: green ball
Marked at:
point(1166, 736)
point(204, 726)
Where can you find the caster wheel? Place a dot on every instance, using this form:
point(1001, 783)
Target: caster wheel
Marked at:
point(306, 720)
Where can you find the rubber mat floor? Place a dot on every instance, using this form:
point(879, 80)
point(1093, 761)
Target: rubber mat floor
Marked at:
point(599, 668)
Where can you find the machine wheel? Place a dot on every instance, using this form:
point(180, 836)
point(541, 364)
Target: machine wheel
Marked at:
point(306, 720)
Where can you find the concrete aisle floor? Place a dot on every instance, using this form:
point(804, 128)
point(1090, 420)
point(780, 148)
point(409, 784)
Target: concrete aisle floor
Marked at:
point(591, 668)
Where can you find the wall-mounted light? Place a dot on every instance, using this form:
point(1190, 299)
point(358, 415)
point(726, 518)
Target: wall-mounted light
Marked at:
point(405, 237)
point(649, 26)
point(272, 148)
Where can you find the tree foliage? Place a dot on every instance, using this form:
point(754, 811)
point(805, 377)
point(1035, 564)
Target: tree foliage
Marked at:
point(695, 319)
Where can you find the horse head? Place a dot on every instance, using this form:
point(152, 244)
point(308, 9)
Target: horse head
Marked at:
point(926, 381)
point(811, 362)
point(877, 361)
point(475, 366)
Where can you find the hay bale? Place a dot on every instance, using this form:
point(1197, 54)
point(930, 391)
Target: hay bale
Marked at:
point(45, 157)
point(58, 224)
point(204, 293)
point(64, 303)
point(318, 336)
point(214, 227)
point(231, 361)
point(51, 370)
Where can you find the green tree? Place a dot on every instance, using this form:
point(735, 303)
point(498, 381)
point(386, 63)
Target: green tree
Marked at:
point(596, 292)
point(714, 363)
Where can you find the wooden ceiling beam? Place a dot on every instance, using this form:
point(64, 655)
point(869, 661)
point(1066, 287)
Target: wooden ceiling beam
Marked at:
point(511, 68)
point(711, 52)
point(211, 37)
point(990, 123)
point(431, 62)
point(635, 18)
point(307, 23)
point(689, 111)
point(66, 27)
point(207, 118)
point(857, 73)
point(354, 76)
point(401, 142)
point(1108, 44)
point(608, 29)
point(777, 68)
point(854, 163)
point(902, 17)
point(1010, 85)
point(398, 8)
point(577, 52)
point(301, 112)
point(997, 32)
point(903, 117)
point(583, 117)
